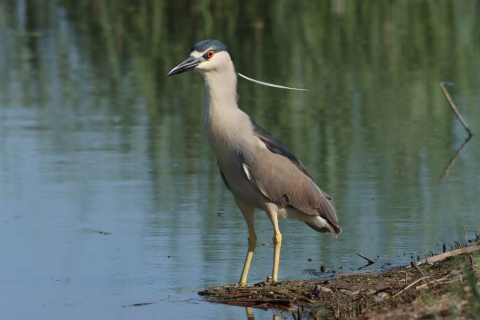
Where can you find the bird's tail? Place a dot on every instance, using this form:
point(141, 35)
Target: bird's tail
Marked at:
point(328, 228)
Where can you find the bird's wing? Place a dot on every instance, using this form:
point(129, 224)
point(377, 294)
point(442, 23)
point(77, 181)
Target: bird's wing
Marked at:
point(283, 179)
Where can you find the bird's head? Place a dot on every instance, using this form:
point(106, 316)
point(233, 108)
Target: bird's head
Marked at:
point(205, 56)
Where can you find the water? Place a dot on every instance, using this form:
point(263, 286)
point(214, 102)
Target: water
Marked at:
point(109, 194)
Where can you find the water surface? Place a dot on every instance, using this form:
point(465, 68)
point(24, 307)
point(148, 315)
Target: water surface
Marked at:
point(110, 196)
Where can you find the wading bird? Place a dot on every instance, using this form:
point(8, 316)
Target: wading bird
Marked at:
point(256, 167)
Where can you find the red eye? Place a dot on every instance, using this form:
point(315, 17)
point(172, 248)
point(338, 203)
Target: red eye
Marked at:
point(209, 54)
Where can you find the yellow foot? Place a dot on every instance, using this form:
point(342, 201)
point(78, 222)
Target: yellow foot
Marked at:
point(270, 280)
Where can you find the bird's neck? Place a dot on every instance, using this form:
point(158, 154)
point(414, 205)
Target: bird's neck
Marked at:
point(220, 94)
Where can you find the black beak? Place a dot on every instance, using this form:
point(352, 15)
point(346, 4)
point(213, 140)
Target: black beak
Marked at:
point(186, 65)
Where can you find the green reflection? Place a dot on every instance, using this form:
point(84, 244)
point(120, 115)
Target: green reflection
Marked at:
point(374, 131)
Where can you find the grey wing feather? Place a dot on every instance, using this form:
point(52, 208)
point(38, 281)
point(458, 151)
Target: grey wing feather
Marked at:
point(282, 178)
point(277, 147)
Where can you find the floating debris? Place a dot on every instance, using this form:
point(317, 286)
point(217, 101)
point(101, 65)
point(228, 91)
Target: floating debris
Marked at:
point(370, 261)
point(96, 231)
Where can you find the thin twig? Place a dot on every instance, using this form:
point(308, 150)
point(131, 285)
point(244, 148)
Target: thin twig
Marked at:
point(369, 260)
point(416, 266)
point(454, 108)
point(424, 273)
point(474, 267)
point(465, 234)
point(411, 284)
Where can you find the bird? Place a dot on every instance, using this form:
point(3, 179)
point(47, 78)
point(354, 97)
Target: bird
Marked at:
point(257, 168)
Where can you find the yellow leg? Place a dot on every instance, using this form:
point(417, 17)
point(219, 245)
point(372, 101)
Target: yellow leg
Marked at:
point(247, 211)
point(277, 239)
point(277, 243)
point(252, 243)
point(249, 313)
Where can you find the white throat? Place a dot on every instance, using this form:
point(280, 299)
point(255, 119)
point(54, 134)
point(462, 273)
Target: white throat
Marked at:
point(220, 93)
point(224, 122)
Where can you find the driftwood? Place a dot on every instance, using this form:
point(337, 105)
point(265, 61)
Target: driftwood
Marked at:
point(449, 254)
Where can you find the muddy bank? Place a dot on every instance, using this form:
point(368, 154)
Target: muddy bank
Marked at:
point(445, 286)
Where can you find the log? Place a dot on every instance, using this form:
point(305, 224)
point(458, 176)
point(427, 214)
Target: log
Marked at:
point(449, 254)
